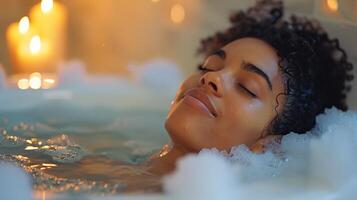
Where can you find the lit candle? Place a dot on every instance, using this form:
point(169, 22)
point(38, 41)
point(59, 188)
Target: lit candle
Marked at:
point(34, 54)
point(16, 34)
point(38, 43)
point(50, 18)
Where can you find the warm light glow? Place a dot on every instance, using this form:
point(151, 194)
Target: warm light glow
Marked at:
point(50, 81)
point(164, 150)
point(49, 165)
point(46, 6)
point(155, 1)
point(24, 25)
point(177, 13)
point(35, 44)
point(29, 148)
point(23, 84)
point(35, 81)
point(332, 4)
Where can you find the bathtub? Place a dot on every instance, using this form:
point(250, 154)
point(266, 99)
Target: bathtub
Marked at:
point(123, 120)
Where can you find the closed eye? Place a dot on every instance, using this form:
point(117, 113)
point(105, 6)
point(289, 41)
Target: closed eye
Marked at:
point(247, 90)
point(203, 69)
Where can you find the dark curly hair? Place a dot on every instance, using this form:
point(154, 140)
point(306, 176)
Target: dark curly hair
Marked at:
point(314, 67)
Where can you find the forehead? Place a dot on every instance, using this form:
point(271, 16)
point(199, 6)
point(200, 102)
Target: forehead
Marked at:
point(253, 50)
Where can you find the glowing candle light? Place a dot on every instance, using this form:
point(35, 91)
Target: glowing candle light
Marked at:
point(35, 81)
point(177, 13)
point(50, 18)
point(18, 34)
point(49, 165)
point(48, 83)
point(332, 4)
point(24, 25)
point(35, 44)
point(23, 84)
point(29, 148)
point(46, 6)
point(39, 45)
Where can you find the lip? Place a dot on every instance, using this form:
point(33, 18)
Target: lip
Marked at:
point(198, 98)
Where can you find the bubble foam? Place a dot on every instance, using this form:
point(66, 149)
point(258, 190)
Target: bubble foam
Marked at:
point(319, 164)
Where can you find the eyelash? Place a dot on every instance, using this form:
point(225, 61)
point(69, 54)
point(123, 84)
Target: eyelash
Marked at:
point(203, 69)
point(247, 91)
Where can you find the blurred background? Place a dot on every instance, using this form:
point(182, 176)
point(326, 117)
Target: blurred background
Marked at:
point(109, 35)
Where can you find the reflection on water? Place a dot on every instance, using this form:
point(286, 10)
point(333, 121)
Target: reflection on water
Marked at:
point(87, 158)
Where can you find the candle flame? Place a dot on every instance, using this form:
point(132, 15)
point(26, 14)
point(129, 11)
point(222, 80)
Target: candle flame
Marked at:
point(35, 81)
point(35, 44)
point(177, 13)
point(46, 6)
point(23, 84)
point(332, 4)
point(24, 25)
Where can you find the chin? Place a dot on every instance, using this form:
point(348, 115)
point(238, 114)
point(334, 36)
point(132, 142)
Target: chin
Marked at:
point(188, 128)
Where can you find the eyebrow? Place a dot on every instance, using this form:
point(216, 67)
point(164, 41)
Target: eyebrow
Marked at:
point(247, 67)
point(252, 68)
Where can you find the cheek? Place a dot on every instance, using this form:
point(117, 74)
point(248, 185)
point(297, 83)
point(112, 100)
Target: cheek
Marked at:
point(245, 120)
point(241, 110)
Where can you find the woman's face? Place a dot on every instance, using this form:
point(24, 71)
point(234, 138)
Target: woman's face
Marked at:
point(231, 102)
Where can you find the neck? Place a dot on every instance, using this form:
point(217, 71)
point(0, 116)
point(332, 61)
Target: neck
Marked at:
point(165, 164)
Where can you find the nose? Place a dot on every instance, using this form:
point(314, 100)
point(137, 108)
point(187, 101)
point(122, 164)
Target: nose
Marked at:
point(213, 82)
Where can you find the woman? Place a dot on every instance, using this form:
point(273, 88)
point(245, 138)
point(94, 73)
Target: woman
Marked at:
point(262, 78)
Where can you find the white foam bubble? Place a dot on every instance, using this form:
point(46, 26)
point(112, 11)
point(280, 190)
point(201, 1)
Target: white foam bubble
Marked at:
point(332, 156)
point(71, 73)
point(196, 178)
point(317, 165)
point(160, 74)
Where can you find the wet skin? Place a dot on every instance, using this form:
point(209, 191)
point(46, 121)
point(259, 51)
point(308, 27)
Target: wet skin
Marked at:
point(230, 101)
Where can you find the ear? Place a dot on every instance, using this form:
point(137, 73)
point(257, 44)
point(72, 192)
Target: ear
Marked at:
point(261, 145)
